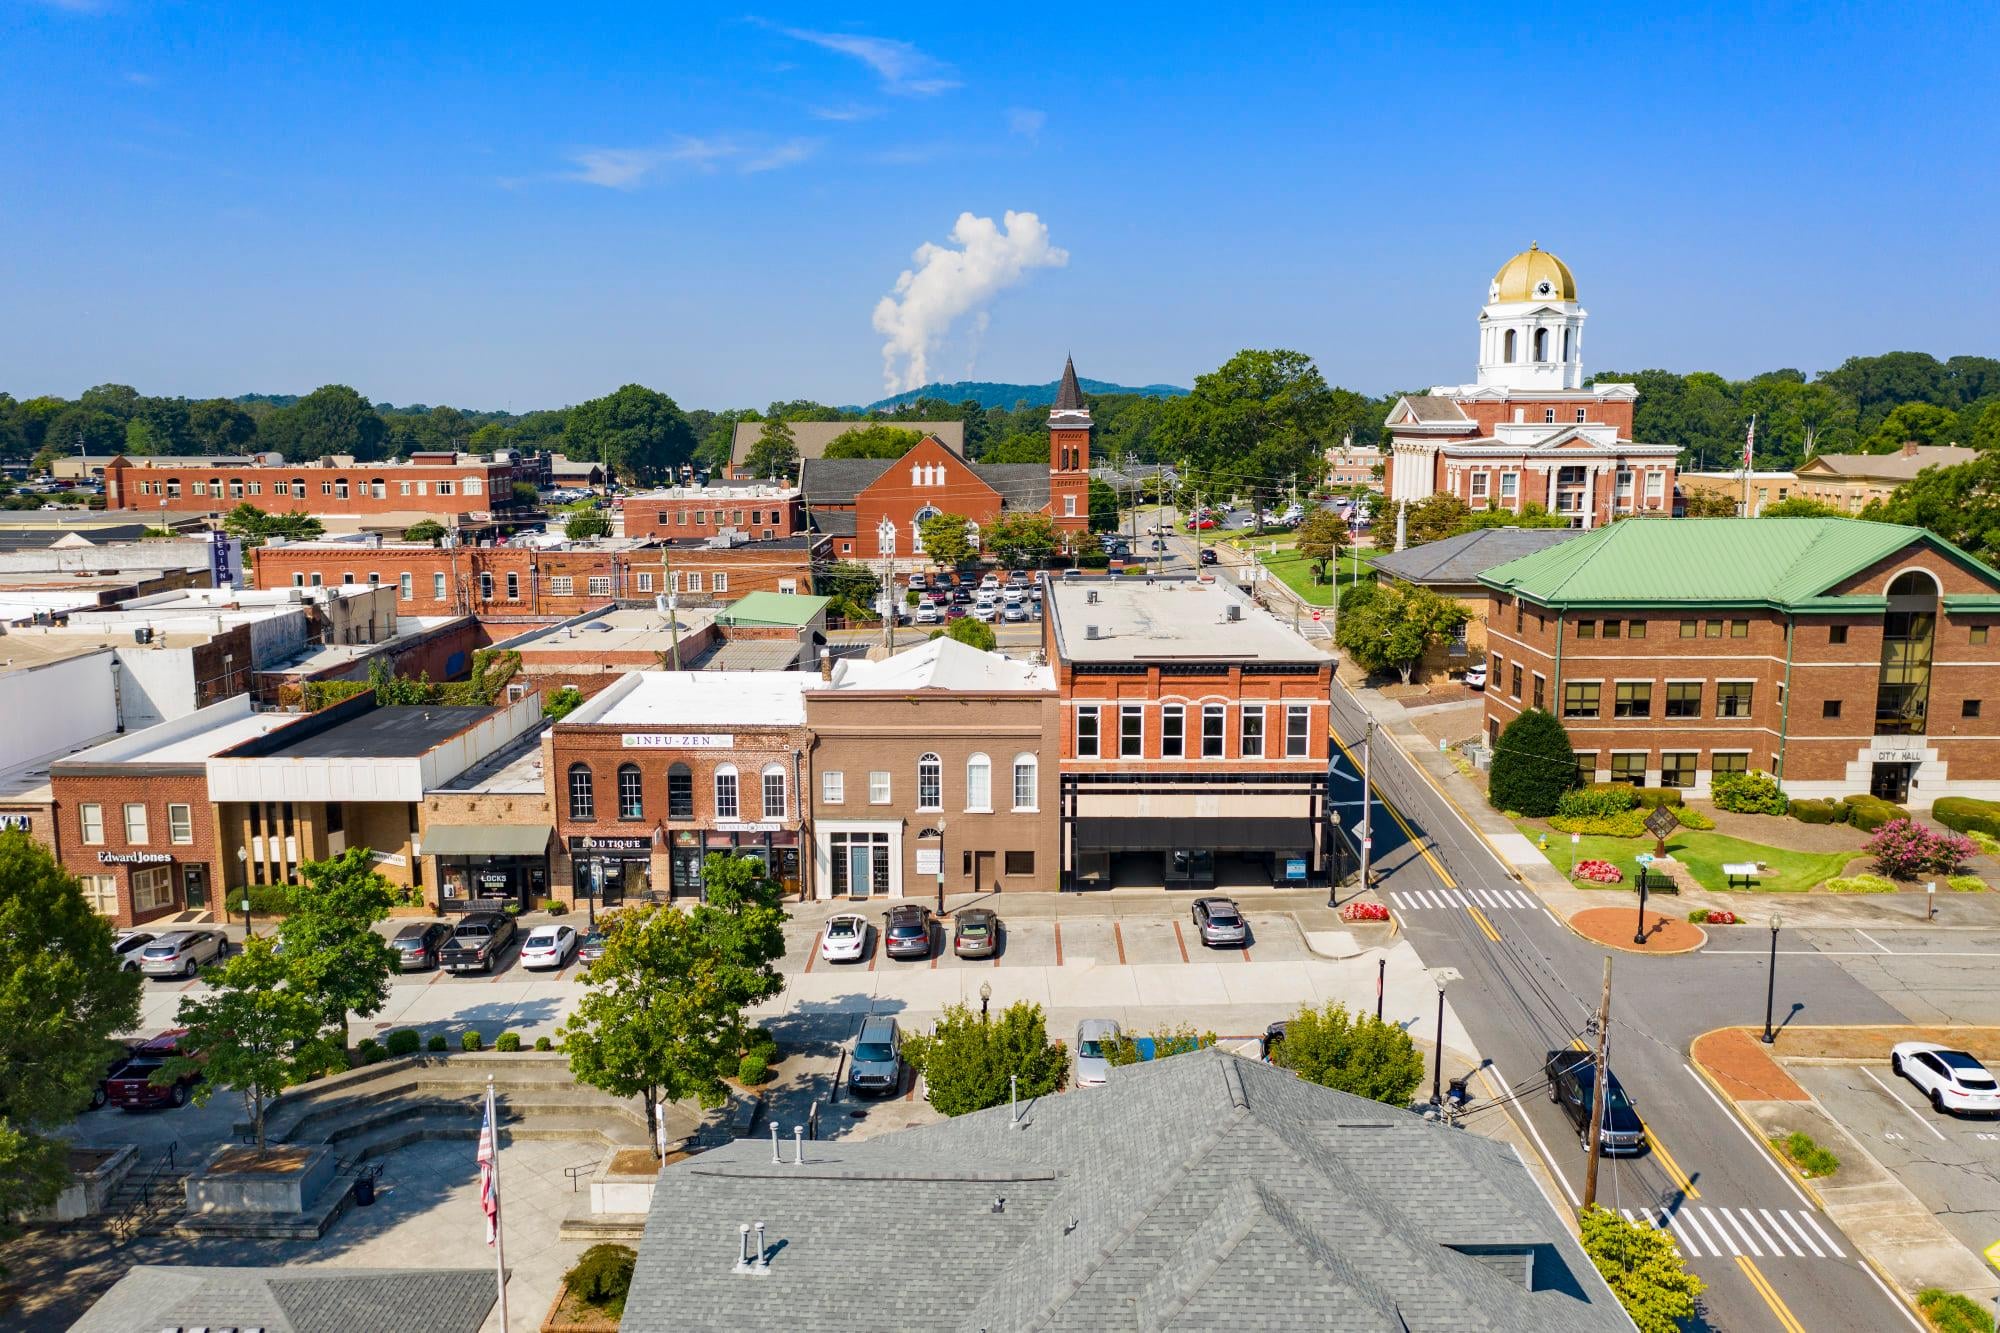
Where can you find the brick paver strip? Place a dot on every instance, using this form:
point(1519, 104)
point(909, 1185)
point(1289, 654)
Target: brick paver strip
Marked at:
point(1743, 1067)
point(1613, 926)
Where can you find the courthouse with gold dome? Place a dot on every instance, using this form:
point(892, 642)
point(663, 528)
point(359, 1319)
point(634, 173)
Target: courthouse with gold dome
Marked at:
point(1529, 431)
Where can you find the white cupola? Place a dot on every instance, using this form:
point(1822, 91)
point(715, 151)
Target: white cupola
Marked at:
point(1531, 330)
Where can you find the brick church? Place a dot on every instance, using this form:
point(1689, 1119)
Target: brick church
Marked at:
point(871, 508)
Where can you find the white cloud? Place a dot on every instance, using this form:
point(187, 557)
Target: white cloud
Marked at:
point(787, 154)
point(900, 65)
point(946, 284)
point(1026, 122)
point(628, 168)
point(849, 112)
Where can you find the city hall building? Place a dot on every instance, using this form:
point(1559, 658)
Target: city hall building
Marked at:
point(1841, 656)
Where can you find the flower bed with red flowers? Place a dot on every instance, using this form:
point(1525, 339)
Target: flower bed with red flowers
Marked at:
point(1599, 872)
point(1717, 917)
point(1364, 912)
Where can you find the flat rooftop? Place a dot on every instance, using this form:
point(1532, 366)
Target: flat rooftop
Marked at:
point(402, 732)
point(513, 770)
point(169, 742)
point(629, 629)
point(700, 698)
point(1166, 620)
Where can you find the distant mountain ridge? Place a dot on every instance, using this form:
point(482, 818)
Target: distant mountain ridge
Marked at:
point(987, 393)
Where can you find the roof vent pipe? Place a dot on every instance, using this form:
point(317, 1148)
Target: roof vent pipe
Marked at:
point(798, 1145)
point(826, 664)
point(763, 1254)
point(743, 1247)
point(776, 1157)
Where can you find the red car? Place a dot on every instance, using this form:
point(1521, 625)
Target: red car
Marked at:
point(131, 1085)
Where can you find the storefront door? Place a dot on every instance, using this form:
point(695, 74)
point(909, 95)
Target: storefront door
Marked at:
point(860, 869)
point(685, 871)
point(1891, 782)
point(194, 886)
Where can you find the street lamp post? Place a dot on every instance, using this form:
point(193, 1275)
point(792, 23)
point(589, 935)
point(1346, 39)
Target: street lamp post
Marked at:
point(243, 860)
point(1771, 980)
point(1442, 976)
point(1639, 931)
point(985, 998)
point(1333, 888)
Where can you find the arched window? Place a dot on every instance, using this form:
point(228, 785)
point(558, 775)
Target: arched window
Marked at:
point(1027, 771)
point(978, 783)
point(377, 488)
point(1541, 344)
point(582, 793)
point(631, 793)
point(774, 791)
point(680, 792)
point(917, 527)
point(727, 805)
point(1508, 344)
point(1566, 343)
point(1903, 681)
point(930, 783)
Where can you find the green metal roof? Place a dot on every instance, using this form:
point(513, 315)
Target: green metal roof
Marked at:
point(772, 608)
point(1783, 562)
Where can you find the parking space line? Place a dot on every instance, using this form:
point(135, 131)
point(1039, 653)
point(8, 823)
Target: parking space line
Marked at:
point(1872, 940)
point(1905, 1105)
point(1789, 1243)
point(1181, 940)
point(1058, 944)
point(1118, 936)
point(1770, 1295)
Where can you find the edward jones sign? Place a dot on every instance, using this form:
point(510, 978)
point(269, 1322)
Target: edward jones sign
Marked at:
point(650, 740)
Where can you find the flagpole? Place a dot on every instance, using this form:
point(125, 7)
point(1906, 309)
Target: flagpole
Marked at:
point(1749, 443)
point(499, 1230)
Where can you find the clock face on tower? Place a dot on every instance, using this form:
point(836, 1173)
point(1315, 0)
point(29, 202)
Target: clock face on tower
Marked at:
point(1543, 289)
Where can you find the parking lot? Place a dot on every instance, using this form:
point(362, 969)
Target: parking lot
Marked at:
point(1124, 942)
point(1951, 1164)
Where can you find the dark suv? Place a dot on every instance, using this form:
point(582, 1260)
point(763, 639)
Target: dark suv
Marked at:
point(906, 932)
point(1573, 1082)
point(877, 1066)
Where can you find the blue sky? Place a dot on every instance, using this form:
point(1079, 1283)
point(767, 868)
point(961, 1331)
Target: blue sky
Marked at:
point(510, 206)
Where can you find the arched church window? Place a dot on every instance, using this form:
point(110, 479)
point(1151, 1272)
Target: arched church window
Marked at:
point(1508, 348)
point(1541, 344)
point(1566, 344)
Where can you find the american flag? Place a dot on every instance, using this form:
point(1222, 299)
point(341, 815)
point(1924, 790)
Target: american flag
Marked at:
point(489, 1183)
point(1749, 443)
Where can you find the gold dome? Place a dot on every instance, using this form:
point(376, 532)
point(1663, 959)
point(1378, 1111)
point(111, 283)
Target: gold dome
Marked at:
point(1522, 277)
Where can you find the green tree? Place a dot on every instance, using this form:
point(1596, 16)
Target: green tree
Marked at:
point(1801, 506)
point(1020, 447)
point(1532, 515)
point(1642, 1267)
point(1021, 540)
point(140, 440)
point(775, 454)
point(1320, 537)
point(1705, 503)
point(587, 522)
point(1181, 1039)
point(62, 996)
point(218, 426)
point(853, 586)
point(1257, 420)
point(425, 530)
point(1356, 1053)
point(256, 1031)
point(1912, 423)
point(1431, 519)
point(332, 419)
point(1103, 506)
point(334, 955)
point(878, 441)
point(972, 633)
point(525, 494)
point(661, 1016)
point(947, 539)
point(1533, 765)
point(559, 703)
point(1960, 504)
point(1390, 626)
point(85, 430)
point(254, 527)
point(637, 433)
point(966, 1060)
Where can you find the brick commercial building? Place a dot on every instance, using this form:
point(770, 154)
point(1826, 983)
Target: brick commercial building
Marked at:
point(1850, 481)
point(1842, 656)
point(1530, 430)
point(440, 485)
point(1194, 744)
point(665, 767)
point(756, 510)
point(927, 770)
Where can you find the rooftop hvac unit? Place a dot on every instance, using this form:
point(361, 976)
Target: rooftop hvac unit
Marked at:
point(143, 634)
point(1090, 631)
point(1235, 612)
point(1091, 597)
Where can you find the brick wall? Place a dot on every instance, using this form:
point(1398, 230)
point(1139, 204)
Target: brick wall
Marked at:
point(672, 517)
point(154, 791)
point(443, 489)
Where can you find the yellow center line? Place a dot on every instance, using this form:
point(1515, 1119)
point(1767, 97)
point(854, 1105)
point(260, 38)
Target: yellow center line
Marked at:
point(1786, 1320)
point(1679, 1176)
point(1479, 918)
point(1437, 866)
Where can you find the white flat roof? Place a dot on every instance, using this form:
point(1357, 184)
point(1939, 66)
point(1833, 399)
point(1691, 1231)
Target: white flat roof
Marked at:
point(1167, 620)
point(626, 630)
point(940, 664)
point(682, 698)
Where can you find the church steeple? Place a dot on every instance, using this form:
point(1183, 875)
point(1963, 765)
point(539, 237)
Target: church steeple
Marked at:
point(1069, 425)
point(1069, 395)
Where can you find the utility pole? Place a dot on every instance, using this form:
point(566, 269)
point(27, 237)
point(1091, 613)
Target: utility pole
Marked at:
point(890, 606)
point(1598, 1077)
point(1367, 801)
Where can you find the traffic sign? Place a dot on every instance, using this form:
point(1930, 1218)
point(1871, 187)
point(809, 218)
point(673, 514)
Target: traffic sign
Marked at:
point(1316, 615)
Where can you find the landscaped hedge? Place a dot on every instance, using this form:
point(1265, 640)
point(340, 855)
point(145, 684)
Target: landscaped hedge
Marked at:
point(1648, 797)
point(1963, 814)
point(1624, 824)
point(1869, 813)
point(1689, 817)
point(507, 1041)
point(404, 1041)
point(1747, 794)
point(1597, 800)
point(265, 899)
point(1818, 811)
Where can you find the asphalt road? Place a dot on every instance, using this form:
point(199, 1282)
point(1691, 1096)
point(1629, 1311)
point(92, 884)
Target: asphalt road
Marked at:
point(1529, 986)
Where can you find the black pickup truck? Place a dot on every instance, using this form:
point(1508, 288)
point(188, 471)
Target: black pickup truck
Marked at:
point(478, 943)
point(1572, 1084)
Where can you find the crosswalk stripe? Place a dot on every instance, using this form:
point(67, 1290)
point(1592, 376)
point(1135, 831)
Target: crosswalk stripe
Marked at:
point(1792, 1220)
point(1741, 1231)
point(1453, 898)
point(1750, 1216)
point(1485, 898)
point(1523, 899)
point(1789, 1243)
point(1691, 1231)
point(1396, 899)
point(1434, 899)
point(1725, 1241)
point(1813, 1222)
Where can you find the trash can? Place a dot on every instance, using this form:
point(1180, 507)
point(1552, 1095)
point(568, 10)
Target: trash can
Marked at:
point(364, 1190)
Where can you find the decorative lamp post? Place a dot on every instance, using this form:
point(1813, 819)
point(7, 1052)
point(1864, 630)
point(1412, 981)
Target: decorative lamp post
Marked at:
point(1443, 976)
point(985, 998)
point(1639, 931)
point(1333, 888)
point(243, 861)
point(1771, 982)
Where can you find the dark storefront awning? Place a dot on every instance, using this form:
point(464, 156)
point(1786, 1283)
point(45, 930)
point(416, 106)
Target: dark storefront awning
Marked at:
point(486, 839)
point(1142, 833)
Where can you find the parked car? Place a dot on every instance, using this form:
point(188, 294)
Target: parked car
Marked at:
point(876, 1068)
point(1013, 596)
point(1093, 1035)
point(418, 943)
point(907, 931)
point(101, 1094)
point(132, 1088)
point(1018, 579)
point(975, 933)
point(126, 948)
point(919, 582)
point(1953, 1080)
point(1072, 575)
point(928, 614)
point(1475, 676)
point(591, 947)
point(990, 583)
point(182, 953)
point(1208, 556)
point(548, 946)
point(845, 939)
point(987, 611)
point(1572, 1085)
point(1218, 922)
point(1015, 612)
point(478, 942)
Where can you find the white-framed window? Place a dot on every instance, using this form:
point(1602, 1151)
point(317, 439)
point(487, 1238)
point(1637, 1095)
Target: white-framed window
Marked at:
point(474, 486)
point(1253, 731)
point(774, 791)
point(437, 587)
point(298, 580)
point(832, 787)
point(727, 805)
point(561, 585)
point(930, 782)
point(317, 580)
point(1131, 731)
point(1298, 720)
point(1625, 482)
point(878, 786)
point(721, 582)
point(447, 488)
point(152, 888)
point(403, 487)
point(1069, 506)
point(645, 577)
point(1087, 743)
point(694, 580)
point(485, 586)
point(180, 824)
point(1480, 482)
point(90, 819)
point(405, 586)
point(788, 585)
point(135, 823)
point(600, 585)
point(1213, 726)
point(1173, 731)
point(978, 783)
point(1510, 485)
point(1656, 486)
point(1582, 414)
point(513, 586)
point(1027, 784)
point(101, 892)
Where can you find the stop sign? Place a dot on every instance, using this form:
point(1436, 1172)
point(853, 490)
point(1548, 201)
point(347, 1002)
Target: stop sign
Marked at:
point(1316, 615)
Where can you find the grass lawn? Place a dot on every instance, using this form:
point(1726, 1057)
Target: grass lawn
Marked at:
point(1704, 854)
point(1296, 571)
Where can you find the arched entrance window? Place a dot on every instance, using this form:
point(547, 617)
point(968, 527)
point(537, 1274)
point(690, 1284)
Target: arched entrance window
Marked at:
point(917, 527)
point(1508, 345)
point(1909, 631)
point(1541, 344)
point(631, 793)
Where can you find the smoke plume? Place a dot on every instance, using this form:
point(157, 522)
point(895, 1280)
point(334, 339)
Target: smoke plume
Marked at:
point(948, 283)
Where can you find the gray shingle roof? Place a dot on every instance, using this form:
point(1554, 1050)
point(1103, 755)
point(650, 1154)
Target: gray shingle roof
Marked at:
point(1462, 559)
point(839, 480)
point(1021, 485)
point(833, 522)
point(307, 1299)
point(1202, 1191)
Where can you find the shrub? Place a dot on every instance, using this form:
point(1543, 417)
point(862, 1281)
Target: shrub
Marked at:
point(1353, 1052)
point(1698, 915)
point(1747, 794)
point(1596, 800)
point(1532, 766)
point(1817, 812)
point(1962, 814)
point(1648, 797)
point(265, 899)
point(1689, 817)
point(471, 1041)
point(436, 1043)
point(1806, 1154)
point(1860, 884)
point(1965, 884)
point(1599, 872)
point(752, 1069)
point(404, 1041)
point(370, 1052)
point(1905, 849)
point(965, 1060)
point(1869, 813)
point(1643, 1268)
point(507, 1041)
point(1093, 560)
point(544, 1044)
point(1985, 842)
point(759, 1041)
point(1952, 1312)
point(603, 1276)
point(1624, 824)
point(554, 906)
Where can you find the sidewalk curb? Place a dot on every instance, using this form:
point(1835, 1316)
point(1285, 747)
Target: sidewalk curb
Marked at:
point(1627, 948)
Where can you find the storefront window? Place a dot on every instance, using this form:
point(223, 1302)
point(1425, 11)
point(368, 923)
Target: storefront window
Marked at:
point(774, 791)
point(631, 794)
point(152, 888)
point(582, 796)
point(726, 805)
point(680, 792)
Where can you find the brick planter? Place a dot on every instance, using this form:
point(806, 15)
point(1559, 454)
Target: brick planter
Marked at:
point(577, 1321)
